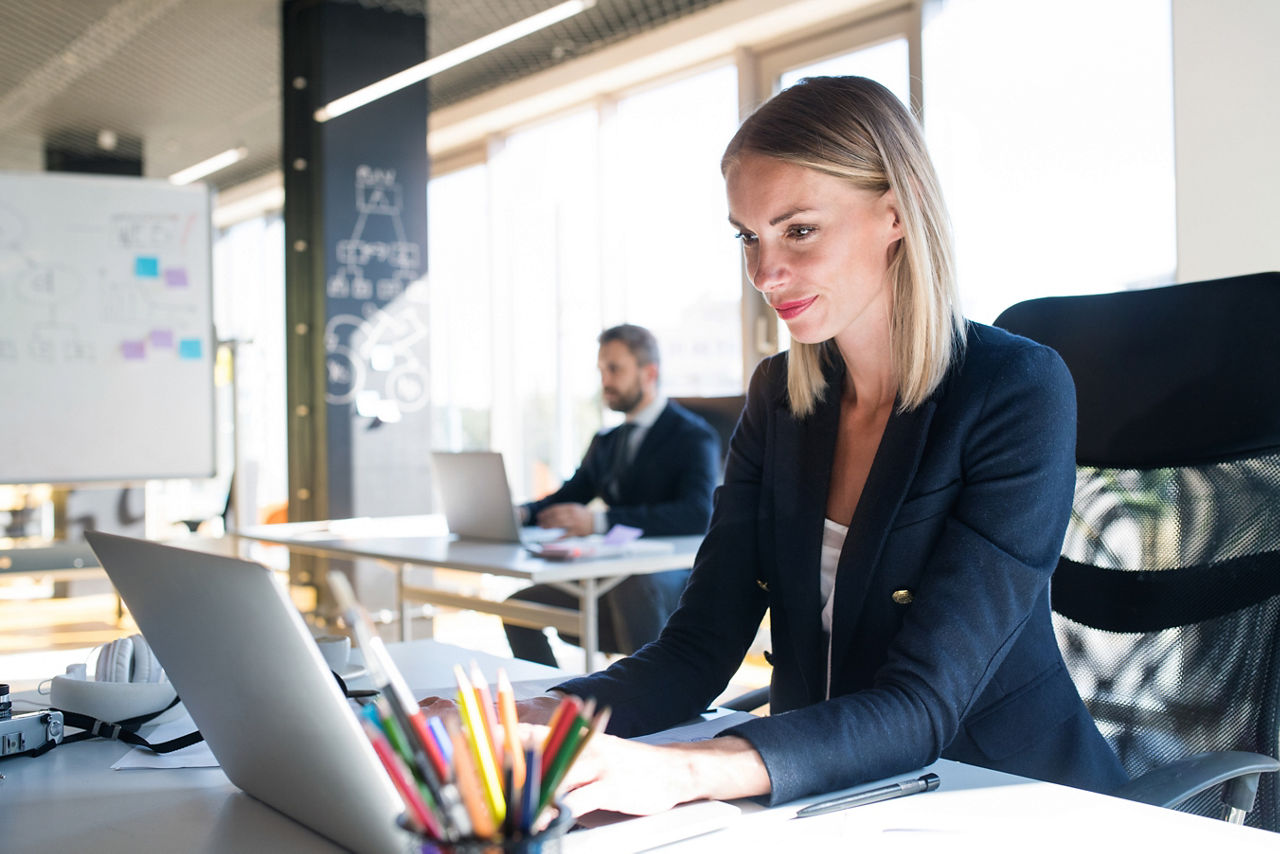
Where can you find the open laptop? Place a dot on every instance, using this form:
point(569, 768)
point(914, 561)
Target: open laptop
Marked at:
point(477, 499)
point(258, 689)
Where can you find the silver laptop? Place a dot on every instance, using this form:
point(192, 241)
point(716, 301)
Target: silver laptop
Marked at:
point(256, 686)
point(477, 499)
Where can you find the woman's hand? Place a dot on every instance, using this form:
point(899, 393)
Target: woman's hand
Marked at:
point(641, 779)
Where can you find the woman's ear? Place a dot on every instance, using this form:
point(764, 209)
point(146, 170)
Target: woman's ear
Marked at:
point(890, 202)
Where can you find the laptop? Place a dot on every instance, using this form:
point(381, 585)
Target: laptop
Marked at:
point(477, 499)
point(257, 687)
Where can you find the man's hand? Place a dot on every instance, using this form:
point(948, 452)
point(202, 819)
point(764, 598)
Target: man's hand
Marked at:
point(576, 519)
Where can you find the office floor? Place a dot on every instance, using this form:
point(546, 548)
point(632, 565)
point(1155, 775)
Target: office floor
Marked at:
point(41, 634)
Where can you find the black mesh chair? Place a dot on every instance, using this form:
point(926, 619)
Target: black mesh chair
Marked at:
point(1167, 596)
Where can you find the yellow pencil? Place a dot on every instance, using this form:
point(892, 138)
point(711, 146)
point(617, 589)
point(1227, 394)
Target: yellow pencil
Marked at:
point(471, 716)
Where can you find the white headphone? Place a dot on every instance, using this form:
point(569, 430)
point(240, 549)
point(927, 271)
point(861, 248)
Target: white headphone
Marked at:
point(128, 660)
point(128, 681)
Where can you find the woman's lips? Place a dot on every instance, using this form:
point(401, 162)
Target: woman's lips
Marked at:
point(788, 310)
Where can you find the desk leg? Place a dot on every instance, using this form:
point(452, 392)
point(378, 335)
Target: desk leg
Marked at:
point(406, 612)
point(589, 607)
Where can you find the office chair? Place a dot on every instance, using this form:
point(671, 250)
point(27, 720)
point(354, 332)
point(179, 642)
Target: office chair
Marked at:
point(1167, 596)
point(722, 413)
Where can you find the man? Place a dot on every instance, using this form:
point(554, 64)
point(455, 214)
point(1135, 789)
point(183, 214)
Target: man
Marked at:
point(656, 472)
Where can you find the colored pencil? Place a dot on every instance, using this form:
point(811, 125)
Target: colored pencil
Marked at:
point(401, 779)
point(511, 729)
point(478, 743)
point(565, 720)
point(469, 785)
point(488, 714)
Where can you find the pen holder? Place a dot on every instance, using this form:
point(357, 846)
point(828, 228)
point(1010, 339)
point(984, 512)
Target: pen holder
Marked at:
point(546, 841)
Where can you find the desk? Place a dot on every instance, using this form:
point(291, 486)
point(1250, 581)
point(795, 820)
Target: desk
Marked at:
point(69, 800)
point(422, 541)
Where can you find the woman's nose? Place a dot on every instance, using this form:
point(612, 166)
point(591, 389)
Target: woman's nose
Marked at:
point(767, 273)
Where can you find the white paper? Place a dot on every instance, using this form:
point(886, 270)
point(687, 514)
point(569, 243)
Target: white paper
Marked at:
point(197, 755)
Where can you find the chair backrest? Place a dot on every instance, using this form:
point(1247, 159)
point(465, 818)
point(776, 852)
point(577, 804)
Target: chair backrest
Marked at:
point(722, 413)
point(1167, 597)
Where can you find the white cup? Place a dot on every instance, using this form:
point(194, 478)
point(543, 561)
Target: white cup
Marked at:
point(336, 650)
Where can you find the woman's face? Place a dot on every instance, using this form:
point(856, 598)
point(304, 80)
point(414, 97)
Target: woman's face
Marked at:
point(816, 247)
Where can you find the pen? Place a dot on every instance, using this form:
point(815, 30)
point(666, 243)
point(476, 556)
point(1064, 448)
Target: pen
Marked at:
point(924, 783)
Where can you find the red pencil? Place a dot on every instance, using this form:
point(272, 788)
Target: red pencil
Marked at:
point(402, 779)
point(565, 719)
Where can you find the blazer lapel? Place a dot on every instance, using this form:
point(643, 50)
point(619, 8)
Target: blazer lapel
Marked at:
point(892, 472)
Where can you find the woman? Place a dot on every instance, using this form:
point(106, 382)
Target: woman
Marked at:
point(896, 494)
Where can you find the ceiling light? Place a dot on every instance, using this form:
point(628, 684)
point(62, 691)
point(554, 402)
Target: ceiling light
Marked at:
point(208, 167)
point(447, 60)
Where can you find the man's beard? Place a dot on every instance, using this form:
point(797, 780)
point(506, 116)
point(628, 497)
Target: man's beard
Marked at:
point(625, 402)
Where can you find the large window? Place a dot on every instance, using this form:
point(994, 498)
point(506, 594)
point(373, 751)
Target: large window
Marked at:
point(607, 215)
point(1051, 125)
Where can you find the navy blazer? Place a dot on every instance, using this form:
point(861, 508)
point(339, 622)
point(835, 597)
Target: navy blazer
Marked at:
point(666, 490)
point(942, 642)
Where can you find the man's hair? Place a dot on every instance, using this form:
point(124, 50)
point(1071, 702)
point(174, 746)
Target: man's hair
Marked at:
point(639, 341)
point(855, 129)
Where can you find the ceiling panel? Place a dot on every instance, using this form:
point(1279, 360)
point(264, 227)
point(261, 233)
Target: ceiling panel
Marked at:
point(180, 80)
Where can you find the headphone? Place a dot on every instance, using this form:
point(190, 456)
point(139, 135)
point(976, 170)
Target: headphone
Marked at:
point(128, 681)
point(128, 660)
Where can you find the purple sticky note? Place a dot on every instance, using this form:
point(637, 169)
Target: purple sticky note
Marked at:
point(162, 338)
point(175, 277)
point(133, 349)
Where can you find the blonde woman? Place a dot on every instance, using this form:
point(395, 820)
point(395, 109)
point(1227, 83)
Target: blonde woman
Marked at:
point(896, 495)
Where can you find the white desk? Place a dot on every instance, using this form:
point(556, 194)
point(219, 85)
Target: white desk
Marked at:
point(69, 800)
point(421, 541)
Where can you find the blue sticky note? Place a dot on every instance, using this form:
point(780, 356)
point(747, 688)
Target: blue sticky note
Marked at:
point(146, 267)
point(190, 348)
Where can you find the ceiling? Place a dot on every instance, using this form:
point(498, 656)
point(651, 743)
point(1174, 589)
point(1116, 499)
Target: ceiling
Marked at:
point(177, 81)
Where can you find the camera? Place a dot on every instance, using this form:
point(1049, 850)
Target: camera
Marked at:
point(27, 733)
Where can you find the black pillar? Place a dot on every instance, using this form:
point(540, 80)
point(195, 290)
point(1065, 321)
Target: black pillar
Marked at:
point(355, 233)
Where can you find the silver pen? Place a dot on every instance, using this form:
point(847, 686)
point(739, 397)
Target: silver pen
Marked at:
point(923, 783)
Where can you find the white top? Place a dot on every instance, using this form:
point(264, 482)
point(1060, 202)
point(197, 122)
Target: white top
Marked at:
point(833, 534)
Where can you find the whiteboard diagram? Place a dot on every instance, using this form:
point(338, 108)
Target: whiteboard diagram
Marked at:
point(105, 328)
point(372, 358)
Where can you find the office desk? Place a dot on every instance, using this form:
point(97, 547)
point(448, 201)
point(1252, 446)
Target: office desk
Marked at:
point(422, 541)
point(69, 800)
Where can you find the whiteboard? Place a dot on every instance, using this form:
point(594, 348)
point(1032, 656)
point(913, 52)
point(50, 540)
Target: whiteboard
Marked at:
point(106, 329)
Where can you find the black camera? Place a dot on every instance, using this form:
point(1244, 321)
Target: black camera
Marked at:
point(27, 733)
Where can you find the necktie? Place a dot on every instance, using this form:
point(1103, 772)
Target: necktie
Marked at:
point(618, 465)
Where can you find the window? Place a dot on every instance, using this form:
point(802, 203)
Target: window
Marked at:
point(607, 215)
point(671, 261)
point(1051, 125)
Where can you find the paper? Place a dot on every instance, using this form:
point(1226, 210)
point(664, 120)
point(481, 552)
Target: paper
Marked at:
point(597, 546)
point(197, 755)
point(624, 834)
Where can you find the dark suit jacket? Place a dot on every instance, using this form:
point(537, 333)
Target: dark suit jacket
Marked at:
point(965, 507)
point(667, 488)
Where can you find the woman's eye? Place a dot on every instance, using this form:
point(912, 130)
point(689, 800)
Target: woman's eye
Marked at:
point(747, 239)
point(801, 231)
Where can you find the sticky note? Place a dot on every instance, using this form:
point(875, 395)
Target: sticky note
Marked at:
point(162, 338)
point(175, 277)
point(133, 349)
point(190, 348)
point(146, 267)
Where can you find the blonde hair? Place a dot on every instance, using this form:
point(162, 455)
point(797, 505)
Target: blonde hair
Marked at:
point(857, 130)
